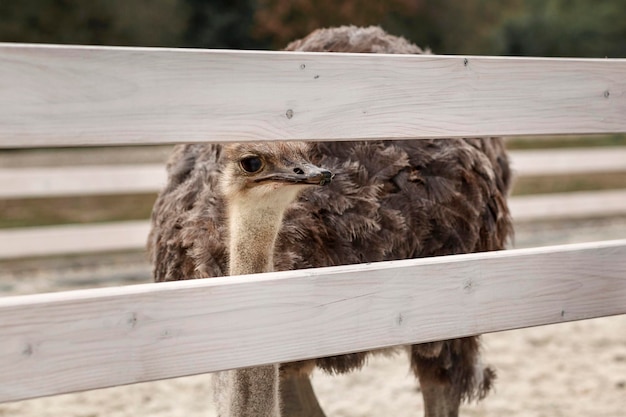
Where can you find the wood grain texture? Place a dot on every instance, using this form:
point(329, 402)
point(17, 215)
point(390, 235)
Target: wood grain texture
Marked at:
point(73, 96)
point(68, 239)
point(568, 161)
point(81, 180)
point(575, 205)
point(77, 340)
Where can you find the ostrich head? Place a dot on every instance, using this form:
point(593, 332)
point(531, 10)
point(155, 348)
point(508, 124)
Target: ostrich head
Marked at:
point(258, 182)
point(268, 174)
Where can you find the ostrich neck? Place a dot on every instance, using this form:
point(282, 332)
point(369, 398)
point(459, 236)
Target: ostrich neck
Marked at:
point(253, 232)
point(251, 392)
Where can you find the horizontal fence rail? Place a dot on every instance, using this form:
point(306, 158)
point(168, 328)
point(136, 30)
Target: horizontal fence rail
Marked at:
point(68, 239)
point(74, 96)
point(574, 205)
point(81, 180)
point(77, 340)
point(141, 178)
point(545, 162)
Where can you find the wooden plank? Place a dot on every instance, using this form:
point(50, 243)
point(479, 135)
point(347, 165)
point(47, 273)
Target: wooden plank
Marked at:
point(81, 180)
point(60, 240)
point(54, 95)
point(568, 161)
point(584, 204)
point(57, 240)
point(62, 342)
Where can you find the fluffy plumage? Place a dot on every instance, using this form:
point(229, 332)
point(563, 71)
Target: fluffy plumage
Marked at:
point(389, 200)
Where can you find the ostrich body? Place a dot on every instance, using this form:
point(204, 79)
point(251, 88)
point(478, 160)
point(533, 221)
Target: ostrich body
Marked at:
point(389, 200)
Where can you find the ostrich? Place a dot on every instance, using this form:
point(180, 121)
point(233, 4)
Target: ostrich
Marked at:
point(388, 200)
point(258, 183)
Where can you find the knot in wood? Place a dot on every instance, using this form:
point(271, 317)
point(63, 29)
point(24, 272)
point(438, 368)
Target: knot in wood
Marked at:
point(28, 350)
point(468, 286)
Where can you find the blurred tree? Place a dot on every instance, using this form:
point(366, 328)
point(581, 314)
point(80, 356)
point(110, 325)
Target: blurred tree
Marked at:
point(465, 27)
point(222, 24)
point(509, 27)
point(112, 22)
point(575, 28)
point(446, 26)
point(282, 21)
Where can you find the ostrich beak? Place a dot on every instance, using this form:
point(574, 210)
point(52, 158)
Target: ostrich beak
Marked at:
point(312, 174)
point(302, 174)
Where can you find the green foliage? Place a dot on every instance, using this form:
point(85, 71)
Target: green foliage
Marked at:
point(221, 24)
point(573, 28)
point(505, 27)
point(112, 22)
point(462, 27)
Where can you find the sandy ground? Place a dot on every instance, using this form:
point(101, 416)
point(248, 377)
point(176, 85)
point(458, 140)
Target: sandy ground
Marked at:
point(574, 369)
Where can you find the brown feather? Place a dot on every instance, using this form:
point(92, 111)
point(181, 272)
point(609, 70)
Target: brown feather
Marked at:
point(389, 200)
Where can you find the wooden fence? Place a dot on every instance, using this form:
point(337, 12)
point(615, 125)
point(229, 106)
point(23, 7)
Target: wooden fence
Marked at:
point(84, 96)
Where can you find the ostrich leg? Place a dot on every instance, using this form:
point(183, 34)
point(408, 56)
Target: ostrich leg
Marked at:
point(440, 399)
point(247, 392)
point(449, 372)
point(298, 398)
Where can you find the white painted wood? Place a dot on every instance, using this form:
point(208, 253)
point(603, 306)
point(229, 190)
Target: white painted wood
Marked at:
point(65, 239)
point(72, 95)
point(62, 342)
point(568, 205)
point(568, 161)
point(81, 180)
point(57, 240)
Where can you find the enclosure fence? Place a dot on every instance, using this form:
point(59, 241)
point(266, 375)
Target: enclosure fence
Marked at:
point(70, 96)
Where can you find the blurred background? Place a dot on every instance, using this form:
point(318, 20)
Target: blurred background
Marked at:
point(574, 28)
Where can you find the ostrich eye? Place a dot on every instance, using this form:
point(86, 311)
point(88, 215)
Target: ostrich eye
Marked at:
point(251, 164)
